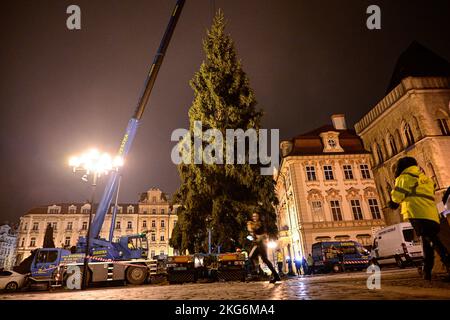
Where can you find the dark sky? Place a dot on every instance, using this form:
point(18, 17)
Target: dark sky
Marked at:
point(64, 91)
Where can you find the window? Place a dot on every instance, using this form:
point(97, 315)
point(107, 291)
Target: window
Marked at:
point(408, 135)
point(154, 211)
point(84, 225)
point(25, 227)
point(374, 209)
point(328, 172)
point(72, 209)
point(130, 209)
point(365, 173)
point(348, 172)
point(67, 242)
point(356, 209)
point(163, 223)
point(144, 224)
point(153, 223)
point(33, 242)
point(162, 211)
point(443, 125)
point(161, 237)
point(393, 145)
point(317, 211)
point(130, 225)
point(336, 210)
point(118, 225)
point(152, 253)
point(69, 226)
point(311, 173)
point(161, 252)
point(35, 226)
point(22, 244)
point(379, 154)
point(153, 237)
point(54, 225)
point(85, 210)
point(332, 143)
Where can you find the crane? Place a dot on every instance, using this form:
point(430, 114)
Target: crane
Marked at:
point(108, 248)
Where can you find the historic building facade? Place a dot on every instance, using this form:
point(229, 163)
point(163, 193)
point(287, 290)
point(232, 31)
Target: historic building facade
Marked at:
point(8, 240)
point(153, 214)
point(326, 190)
point(413, 119)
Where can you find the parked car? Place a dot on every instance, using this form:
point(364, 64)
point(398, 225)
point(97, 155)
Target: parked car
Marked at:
point(11, 281)
point(397, 244)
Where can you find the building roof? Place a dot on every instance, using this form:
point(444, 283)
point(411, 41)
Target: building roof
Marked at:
point(310, 143)
point(65, 207)
point(418, 61)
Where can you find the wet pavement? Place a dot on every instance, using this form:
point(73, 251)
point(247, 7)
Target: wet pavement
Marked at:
point(395, 284)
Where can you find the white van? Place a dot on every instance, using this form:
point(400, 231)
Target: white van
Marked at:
point(397, 244)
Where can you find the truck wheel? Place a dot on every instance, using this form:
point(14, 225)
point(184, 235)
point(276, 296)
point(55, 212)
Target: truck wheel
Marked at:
point(11, 287)
point(136, 275)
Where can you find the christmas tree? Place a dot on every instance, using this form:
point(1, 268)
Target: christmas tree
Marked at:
point(221, 197)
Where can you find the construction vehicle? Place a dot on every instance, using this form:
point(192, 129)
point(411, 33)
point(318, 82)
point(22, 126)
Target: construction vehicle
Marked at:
point(108, 260)
point(206, 267)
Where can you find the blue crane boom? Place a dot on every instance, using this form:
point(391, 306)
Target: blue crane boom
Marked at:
point(131, 129)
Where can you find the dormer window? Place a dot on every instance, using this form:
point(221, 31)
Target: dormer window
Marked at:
point(330, 141)
point(86, 208)
point(54, 209)
point(130, 209)
point(72, 209)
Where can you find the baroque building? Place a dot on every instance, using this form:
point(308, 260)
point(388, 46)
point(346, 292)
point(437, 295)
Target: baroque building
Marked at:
point(413, 119)
point(153, 214)
point(326, 190)
point(8, 240)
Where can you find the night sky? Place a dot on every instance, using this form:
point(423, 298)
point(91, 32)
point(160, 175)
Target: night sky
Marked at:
point(64, 91)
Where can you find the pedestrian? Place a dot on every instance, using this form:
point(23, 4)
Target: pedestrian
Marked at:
point(280, 261)
point(304, 266)
point(256, 230)
point(414, 191)
point(310, 262)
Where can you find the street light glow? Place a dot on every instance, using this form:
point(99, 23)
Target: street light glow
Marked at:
point(96, 162)
point(272, 245)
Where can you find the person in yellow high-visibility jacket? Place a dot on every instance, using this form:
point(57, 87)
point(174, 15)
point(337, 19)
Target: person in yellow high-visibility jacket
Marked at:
point(414, 191)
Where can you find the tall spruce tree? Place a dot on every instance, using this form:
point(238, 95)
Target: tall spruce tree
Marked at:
point(221, 196)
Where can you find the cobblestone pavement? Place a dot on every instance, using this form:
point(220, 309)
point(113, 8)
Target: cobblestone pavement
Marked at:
point(395, 284)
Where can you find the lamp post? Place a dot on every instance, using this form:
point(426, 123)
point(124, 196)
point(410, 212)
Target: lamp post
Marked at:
point(95, 164)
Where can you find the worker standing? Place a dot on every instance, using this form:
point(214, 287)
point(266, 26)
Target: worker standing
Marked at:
point(310, 262)
point(280, 261)
point(415, 192)
point(259, 249)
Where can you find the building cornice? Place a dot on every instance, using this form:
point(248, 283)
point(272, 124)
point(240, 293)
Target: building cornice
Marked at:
point(407, 86)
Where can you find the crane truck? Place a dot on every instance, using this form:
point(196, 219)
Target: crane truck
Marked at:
point(105, 259)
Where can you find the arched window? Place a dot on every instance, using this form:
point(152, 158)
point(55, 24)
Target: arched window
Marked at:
point(398, 138)
point(432, 174)
point(443, 125)
point(408, 135)
point(379, 154)
point(392, 145)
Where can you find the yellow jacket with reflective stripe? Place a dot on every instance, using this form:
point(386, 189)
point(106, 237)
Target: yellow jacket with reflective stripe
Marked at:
point(415, 191)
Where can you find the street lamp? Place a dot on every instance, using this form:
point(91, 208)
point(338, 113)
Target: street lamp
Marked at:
point(95, 164)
